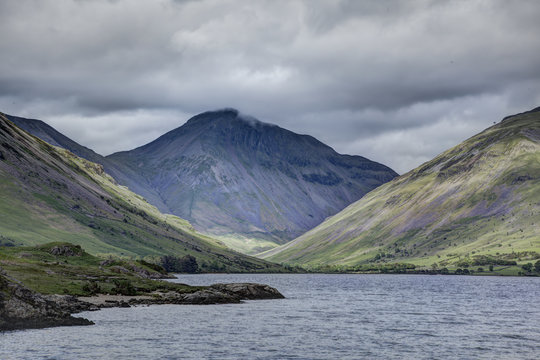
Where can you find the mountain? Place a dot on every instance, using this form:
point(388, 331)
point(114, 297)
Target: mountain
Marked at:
point(49, 194)
point(252, 184)
point(51, 136)
point(480, 198)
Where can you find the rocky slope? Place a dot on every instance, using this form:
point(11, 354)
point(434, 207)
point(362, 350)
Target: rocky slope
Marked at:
point(51, 136)
point(480, 198)
point(235, 177)
point(49, 194)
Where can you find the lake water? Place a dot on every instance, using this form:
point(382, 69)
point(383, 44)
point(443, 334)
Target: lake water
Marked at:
point(323, 317)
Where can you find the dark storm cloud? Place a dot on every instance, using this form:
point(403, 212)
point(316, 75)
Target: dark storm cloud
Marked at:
point(396, 81)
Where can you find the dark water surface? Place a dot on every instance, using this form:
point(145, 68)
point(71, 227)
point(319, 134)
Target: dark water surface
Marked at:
point(323, 317)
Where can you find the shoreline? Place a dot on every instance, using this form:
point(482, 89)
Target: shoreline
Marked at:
point(30, 310)
point(230, 293)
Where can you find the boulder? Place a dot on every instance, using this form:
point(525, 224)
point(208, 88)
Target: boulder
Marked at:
point(66, 250)
point(249, 291)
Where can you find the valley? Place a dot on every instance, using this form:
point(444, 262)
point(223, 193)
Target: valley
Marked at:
point(251, 184)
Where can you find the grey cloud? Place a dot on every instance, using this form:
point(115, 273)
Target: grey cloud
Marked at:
point(348, 72)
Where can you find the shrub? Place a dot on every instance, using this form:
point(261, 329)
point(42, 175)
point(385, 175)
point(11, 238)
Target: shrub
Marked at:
point(123, 287)
point(527, 267)
point(186, 264)
point(91, 288)
point(152, 266)
point(483, 260)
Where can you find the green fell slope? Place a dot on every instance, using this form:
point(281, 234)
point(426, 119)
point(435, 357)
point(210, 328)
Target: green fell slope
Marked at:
point(73, 271)
point(49, 194)
point(478, 199)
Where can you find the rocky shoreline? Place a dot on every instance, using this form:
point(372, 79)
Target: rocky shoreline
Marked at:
point(22, 308)
point(233, 293)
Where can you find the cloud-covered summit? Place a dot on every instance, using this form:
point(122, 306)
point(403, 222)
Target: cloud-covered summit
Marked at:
point(394, 81)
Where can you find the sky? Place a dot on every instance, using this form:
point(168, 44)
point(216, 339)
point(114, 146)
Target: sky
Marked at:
point(395, 81)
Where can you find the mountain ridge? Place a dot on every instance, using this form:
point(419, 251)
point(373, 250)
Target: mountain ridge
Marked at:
point(467, 201)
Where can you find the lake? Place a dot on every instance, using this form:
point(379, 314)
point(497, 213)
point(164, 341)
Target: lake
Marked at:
point(323, 317)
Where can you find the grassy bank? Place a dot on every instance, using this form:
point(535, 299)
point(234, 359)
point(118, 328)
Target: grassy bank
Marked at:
point(525, 264)
point(64, 268)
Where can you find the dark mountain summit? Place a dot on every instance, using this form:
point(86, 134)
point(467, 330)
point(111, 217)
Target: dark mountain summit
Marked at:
point(232, 175)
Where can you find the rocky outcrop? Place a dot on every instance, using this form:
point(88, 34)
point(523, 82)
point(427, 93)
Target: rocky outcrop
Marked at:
point(66, 250)
point(248, 291)
point(227, 293)
point(215, 294)
point(21, 308)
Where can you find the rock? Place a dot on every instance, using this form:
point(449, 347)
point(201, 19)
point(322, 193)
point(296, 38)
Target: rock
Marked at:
point(209, 296)
point(215, 294)
point(222, 294)
point(249, 291)
point(22, 308)
point(106, 262)
point(145, 274)
point(66, 250)
point(119, 269)
point(71, 304)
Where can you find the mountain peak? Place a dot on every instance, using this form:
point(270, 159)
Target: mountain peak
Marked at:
point(214, 114)
point(225, 115)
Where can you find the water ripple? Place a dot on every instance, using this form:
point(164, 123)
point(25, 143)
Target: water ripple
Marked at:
point(324, 317)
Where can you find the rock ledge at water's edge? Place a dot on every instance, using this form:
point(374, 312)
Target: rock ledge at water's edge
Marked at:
point(213, 294)
point(20, 308)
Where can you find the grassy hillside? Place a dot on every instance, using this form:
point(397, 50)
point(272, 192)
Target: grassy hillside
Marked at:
point(480, 198)
point(48, 194)
point(77, 273)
